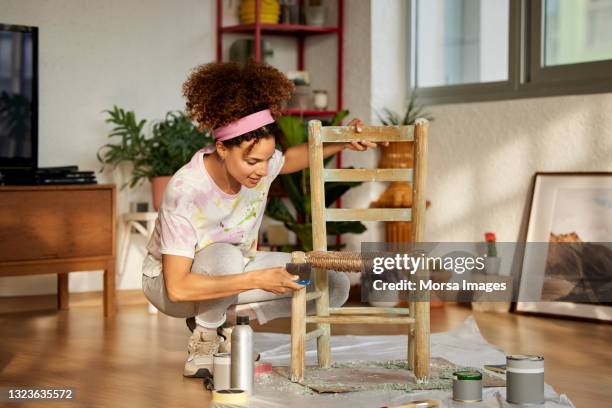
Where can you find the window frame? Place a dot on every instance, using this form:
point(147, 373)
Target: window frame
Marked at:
point(527, 77)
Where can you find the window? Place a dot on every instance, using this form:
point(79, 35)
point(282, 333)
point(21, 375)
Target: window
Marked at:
point(471, 50)
point(461, 41)
point(577, 31)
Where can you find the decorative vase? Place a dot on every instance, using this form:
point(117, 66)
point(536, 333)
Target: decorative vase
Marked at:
point(315, 15)
point(158, 186)
point(397, 155)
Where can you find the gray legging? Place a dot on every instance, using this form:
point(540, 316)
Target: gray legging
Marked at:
point(226, 259)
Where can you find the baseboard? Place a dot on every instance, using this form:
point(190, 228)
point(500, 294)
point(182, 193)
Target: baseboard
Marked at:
point(16, 304)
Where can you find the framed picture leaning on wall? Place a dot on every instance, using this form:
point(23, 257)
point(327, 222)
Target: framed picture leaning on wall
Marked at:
point(567, 262)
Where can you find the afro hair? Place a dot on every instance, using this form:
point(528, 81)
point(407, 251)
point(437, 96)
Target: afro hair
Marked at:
point(219, 93)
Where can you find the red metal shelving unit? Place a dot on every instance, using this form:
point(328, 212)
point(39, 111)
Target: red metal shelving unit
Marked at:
point(300, 32)
point(279, 29)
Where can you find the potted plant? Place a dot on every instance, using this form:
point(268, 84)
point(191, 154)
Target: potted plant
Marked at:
point(297, 188)
point(155, 155)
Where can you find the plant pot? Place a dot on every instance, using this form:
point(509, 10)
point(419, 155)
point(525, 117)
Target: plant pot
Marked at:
point(397, 155)
point(315, 15)
point(158, 186)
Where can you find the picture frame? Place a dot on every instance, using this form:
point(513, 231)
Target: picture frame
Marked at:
point(557, 211)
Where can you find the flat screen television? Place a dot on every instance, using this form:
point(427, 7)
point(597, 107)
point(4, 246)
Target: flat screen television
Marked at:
point(18, 98)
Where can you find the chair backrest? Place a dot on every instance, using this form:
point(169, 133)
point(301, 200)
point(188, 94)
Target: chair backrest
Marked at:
point(319, 175)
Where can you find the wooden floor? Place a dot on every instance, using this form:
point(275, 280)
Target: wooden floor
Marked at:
point(136, 359)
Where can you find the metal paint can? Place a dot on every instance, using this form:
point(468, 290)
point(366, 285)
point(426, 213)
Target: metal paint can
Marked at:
point(222, 371)
point(467, 385)
point(525, 379)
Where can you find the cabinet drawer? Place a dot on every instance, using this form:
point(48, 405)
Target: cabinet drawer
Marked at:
point(56, 223)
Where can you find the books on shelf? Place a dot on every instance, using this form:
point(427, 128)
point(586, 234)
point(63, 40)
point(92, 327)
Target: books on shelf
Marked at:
point(64, 175)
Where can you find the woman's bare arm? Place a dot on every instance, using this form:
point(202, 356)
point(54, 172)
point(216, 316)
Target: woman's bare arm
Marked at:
point(182, 285)
point(296, 157)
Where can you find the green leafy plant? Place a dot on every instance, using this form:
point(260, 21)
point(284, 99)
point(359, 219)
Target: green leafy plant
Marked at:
point(412, 112)
point(170, 144)
point(297, 187)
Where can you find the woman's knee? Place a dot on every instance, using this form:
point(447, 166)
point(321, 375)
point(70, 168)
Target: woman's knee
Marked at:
point(339, 288)
point(218, 259)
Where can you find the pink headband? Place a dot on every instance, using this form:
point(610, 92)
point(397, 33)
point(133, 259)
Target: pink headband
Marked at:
point(244, 125)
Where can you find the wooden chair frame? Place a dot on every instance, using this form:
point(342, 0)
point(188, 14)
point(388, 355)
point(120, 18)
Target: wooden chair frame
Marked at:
point(416, 316)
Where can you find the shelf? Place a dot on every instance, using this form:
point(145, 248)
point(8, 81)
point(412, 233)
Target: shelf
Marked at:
point(298, 112)
point(280, 29)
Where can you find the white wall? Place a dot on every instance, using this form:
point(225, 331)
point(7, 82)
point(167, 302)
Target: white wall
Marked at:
point(483, 157)
point(378, 71)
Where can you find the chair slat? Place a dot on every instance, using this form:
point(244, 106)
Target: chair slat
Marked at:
point(367, 174)
point(369, 311)
point(360, 319)
point(313, 295)
point(371, 133)
point(313, 334)
point(368, 214)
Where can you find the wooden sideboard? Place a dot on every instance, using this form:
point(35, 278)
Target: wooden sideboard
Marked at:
point(59, 229)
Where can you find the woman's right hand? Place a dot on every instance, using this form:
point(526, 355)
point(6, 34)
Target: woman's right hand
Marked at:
point(275, 280)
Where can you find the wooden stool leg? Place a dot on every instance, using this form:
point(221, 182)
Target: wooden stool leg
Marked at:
point(126, 230)
point(62, 291)
point(298, 334)
point(109, 289)
point(322, 308)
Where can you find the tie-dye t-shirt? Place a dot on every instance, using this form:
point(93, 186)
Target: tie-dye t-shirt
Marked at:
point(195, 212)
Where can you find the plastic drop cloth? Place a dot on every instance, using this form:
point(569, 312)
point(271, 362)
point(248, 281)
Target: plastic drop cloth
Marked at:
point(464, 346)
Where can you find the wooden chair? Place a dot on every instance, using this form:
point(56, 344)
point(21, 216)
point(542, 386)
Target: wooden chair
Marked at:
point(416, 317)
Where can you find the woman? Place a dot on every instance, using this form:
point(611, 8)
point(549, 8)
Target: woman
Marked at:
point(202, 259)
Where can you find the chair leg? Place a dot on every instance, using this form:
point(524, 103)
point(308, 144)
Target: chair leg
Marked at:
point(411, 336)
point(322, 308)
point(421, 341)
point(298, 334)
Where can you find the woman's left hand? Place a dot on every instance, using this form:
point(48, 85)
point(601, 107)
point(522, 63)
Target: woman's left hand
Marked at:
point(360, 145)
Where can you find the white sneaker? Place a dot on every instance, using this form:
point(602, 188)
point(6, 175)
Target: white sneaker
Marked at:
point(201, 348)
point(226, 335)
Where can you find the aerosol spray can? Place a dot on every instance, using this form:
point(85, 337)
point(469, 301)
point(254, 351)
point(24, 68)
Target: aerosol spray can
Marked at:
point(242, 355)
point(525, 379)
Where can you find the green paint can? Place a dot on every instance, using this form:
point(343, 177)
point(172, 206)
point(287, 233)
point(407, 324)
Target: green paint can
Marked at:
point(467, 385)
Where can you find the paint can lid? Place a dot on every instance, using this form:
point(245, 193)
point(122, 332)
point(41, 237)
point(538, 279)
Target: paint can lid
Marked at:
point(524, 361)
point(467, 374)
